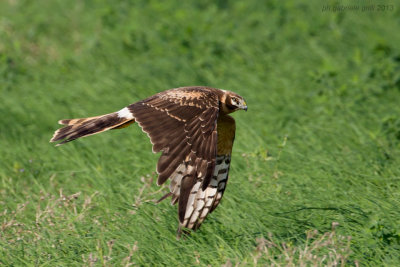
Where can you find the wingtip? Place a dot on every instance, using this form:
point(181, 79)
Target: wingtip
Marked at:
point(164, 197)
point(54, 137)
point(52, 141)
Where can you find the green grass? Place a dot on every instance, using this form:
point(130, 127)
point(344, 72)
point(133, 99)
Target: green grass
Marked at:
point(320, 143)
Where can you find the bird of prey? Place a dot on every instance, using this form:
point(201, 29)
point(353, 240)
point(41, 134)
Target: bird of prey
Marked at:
point(192, 129)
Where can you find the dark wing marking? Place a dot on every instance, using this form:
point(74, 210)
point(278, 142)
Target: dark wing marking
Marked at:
point(222, 179)
point(182, 124)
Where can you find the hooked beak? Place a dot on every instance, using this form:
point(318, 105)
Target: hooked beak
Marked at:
point(244, 106)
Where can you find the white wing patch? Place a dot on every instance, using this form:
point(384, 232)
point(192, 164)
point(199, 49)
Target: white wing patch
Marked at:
point(125, 113)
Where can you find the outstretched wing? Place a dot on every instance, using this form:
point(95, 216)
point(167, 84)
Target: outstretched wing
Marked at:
point(182, 124)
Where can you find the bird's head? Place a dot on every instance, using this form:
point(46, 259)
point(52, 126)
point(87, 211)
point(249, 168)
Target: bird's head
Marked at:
point(231, 102)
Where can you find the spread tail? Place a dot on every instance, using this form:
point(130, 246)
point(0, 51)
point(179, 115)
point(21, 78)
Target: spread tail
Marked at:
point(77, 128)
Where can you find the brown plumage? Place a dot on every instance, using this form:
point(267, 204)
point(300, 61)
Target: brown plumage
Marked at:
point(192, 129)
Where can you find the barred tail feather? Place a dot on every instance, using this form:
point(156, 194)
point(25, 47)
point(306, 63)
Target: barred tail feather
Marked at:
point(77, 128)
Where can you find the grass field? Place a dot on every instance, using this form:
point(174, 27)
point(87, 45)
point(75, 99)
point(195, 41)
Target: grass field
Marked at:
point(315, 176)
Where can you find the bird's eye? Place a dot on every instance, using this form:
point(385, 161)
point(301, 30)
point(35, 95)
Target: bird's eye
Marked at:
point(234, 101)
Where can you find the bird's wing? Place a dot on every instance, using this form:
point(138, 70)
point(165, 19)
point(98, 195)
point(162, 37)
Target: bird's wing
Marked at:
point(182, 124)
point(202, 201)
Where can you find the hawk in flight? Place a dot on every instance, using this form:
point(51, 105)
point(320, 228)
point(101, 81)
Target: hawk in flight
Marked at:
point(192, 129)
